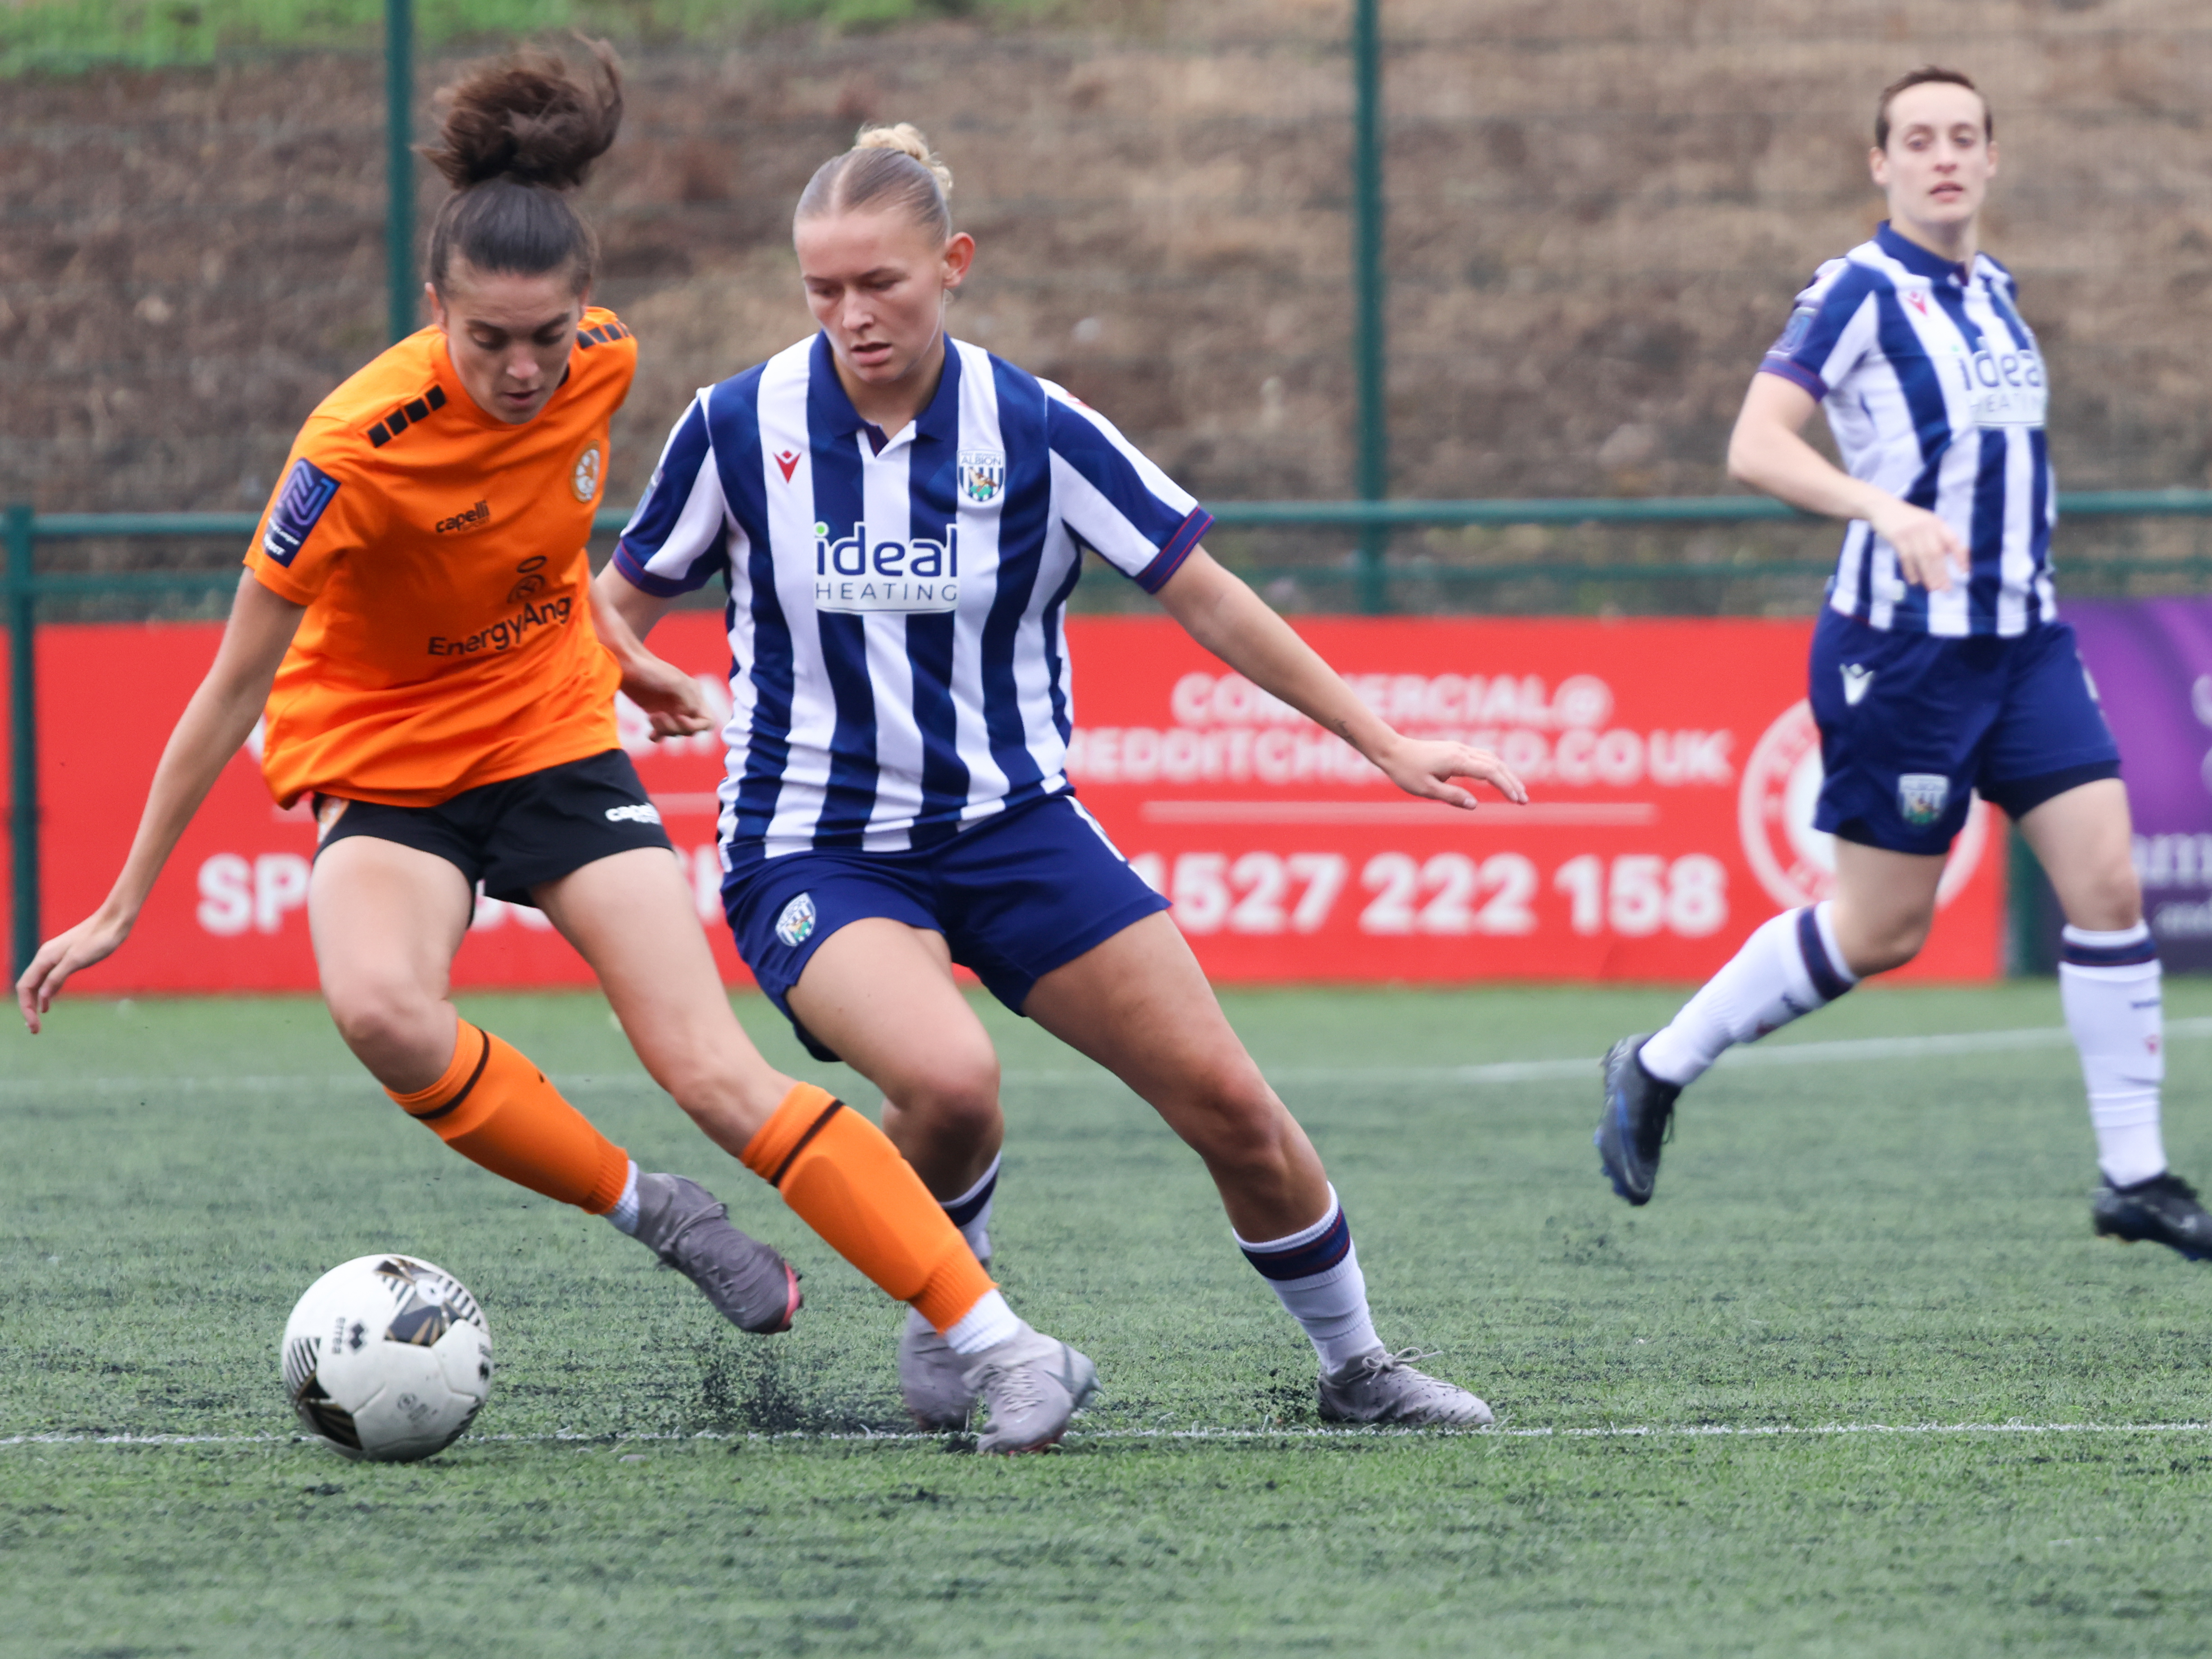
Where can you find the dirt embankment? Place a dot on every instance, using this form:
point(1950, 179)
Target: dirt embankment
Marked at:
point(1599, 213)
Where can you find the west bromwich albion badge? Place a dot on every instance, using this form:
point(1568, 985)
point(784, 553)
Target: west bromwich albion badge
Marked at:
point(982, 474)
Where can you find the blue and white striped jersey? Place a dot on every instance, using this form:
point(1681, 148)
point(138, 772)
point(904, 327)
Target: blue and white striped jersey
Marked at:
point(1934, 390)
point(899, 658)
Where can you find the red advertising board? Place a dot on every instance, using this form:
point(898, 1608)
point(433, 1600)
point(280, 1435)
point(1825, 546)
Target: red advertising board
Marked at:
point(1671, 767)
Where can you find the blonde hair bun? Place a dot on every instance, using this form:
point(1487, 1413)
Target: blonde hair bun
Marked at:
point(907, 139)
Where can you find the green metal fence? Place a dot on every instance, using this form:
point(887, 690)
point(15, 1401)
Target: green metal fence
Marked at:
point(26, 584)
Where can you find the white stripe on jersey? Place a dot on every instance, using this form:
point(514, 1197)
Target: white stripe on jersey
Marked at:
point(1935, 392)
point(896, 616)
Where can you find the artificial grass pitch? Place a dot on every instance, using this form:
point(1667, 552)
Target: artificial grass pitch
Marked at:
point(1900, 1241)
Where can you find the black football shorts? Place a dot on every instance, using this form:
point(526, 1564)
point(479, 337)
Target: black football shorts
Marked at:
point(513, 835)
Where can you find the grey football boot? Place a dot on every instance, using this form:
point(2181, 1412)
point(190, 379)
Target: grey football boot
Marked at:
point(934, 1376)
point(1384, 1387)
point(1031, 1385)
point(689, 1228)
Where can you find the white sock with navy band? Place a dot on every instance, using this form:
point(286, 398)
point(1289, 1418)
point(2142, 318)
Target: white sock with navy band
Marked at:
point(1789, 967)
point(971, 1211)
point(2109, 983)
point(1316, 1273)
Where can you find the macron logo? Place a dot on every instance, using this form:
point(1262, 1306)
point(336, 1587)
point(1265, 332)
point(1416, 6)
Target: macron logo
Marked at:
point(788, 460)
point(642, 813)
point(1857, 677)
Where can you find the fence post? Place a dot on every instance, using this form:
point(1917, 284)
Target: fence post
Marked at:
point(399, 165)
point(23, 734)
point(1369, 347)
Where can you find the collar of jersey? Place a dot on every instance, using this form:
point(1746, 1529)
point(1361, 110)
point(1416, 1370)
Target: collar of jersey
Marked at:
point(832, 409)
point(1917, 259)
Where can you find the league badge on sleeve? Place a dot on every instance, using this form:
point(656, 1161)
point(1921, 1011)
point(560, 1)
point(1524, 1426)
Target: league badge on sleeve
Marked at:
point(983, 475)
point(1921, 796)
point(308, 492)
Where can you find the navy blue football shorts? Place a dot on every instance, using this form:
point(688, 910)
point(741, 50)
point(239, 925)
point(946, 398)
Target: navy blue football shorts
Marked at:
point(1015, 897)
point(513, 835)
point(1912, 725)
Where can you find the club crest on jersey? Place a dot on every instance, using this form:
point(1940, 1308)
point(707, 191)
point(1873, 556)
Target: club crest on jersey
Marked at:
point(796, 924)
point(585, 480)
point(982, 474)
point(1921, 796)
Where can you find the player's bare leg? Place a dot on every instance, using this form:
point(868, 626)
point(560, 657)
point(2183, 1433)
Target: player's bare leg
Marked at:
point(881, 995)
point(386, 919)
point(1140, 1006)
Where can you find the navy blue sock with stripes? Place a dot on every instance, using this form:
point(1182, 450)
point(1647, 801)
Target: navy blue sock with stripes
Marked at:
point(1787, 969)
point(1315, 1274)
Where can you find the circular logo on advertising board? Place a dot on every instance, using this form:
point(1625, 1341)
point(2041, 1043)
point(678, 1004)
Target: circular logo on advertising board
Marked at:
point(586, 477)
point(1794, 862)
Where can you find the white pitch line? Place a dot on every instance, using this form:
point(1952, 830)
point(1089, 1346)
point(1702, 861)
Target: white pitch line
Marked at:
point(1845, 1050)
point(1627, 1431)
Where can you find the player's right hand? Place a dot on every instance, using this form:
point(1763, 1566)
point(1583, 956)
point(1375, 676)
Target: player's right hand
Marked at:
point(670, 698)
point(1930, 553)
point(91, 940)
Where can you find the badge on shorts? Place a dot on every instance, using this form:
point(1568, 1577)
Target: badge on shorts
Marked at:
point(1920, 795)
point(796, 924)
point(982, 474)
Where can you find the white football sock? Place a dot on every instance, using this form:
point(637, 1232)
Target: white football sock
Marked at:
point(623, 1216)
point(971, 1211)
point(1787, 969)
point(1315, 1275)
point(2109, 984)
point(986, 1325)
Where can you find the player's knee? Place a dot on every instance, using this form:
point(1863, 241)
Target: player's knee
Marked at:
point(1893, 944)
point(1235, 1122)
point(386, 1022)
point(954, 1098)
point(2106, 898)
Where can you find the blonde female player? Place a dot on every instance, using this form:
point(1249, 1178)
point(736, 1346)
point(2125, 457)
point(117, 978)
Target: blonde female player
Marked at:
point(899, 518)
point(416, 616)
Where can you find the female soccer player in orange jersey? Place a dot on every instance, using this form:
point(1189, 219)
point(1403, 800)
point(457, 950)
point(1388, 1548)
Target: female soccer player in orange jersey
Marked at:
point(416, 617)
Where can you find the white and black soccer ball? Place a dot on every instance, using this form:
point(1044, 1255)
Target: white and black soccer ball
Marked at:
point(388, 1357)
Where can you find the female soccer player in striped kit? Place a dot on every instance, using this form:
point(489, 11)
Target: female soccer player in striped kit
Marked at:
point(1940, 666)
point(899, 518)
point(416, 617)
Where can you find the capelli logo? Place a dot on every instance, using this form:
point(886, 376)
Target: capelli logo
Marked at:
point(475, 519)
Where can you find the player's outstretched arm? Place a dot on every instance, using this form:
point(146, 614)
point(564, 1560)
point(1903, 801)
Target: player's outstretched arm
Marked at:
point(624, 613)
point(1768, 452)
point(1223, 613)
point(214, 724)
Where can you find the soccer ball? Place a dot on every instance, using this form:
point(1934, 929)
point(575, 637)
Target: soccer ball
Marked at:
point(388, 1357)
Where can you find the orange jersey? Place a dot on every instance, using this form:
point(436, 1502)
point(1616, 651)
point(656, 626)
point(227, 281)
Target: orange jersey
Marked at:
point(440, 552)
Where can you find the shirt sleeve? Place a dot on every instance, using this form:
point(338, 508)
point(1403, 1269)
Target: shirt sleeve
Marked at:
point(322, 512)
point(1829, 331)
point(678, 538)
point(1116, 500)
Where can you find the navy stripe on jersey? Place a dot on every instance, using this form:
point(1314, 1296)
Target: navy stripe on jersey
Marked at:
point(1934, 388)
point(897, 614)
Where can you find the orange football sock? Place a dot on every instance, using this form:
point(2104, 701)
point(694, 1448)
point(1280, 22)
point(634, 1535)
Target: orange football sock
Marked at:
point(494, 1108)
point(848, 1181)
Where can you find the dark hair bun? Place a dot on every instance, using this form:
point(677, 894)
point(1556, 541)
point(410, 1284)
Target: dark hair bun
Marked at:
point(530, 120)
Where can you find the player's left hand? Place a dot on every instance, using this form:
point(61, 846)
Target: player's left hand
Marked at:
point(671, 698)
point(1426, 767)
